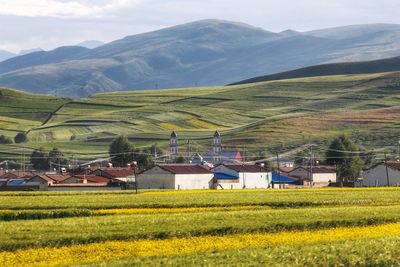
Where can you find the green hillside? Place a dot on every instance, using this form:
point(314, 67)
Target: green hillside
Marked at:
point(252, 117)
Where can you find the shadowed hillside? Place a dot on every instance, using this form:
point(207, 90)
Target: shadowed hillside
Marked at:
point(384, 65)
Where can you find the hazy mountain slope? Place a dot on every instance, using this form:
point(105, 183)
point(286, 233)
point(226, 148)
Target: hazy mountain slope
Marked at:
point(29, 51)
point(202, 53)
point(41, 58)
point(383, 65)
point(4, 55)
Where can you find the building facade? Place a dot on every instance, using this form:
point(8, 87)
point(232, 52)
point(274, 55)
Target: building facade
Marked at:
point(382, 174)
point(176, 176)
point(240, 176)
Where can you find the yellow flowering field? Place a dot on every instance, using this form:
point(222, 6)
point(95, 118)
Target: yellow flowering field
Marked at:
point(189, 227)
point(145, 248)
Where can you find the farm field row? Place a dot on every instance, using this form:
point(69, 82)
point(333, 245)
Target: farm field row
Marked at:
point(200, 227)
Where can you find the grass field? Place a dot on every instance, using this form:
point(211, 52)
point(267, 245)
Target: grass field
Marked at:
point(253, 117)
point(300, 227)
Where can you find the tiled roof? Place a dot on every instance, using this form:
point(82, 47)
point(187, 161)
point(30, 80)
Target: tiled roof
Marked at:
point(17, 174)
point(118, 172)
point(286, 169)
point(58, 177)
point(394, 165)
point(318, 169)
point(52, 178)
point(245, 167)
point(81, 185)
point(184, 169)
point(322, 169)
point(93, 178)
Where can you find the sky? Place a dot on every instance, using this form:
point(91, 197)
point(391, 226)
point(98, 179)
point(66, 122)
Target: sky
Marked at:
point(28, 24)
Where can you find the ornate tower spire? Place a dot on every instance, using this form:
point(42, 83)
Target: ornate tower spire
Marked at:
point(217, 146)
point(173, 145)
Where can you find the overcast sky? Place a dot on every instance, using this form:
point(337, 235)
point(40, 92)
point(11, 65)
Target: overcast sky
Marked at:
point(26, 24)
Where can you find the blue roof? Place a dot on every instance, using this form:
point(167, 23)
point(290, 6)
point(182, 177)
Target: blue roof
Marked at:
point(283, 179)
point(16, 183)
point(222, 176)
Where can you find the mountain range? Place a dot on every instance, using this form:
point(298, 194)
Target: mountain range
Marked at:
point(201, 53)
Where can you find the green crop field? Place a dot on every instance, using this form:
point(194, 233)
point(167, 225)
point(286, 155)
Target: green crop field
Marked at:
point(253, 117)
point(298, 227)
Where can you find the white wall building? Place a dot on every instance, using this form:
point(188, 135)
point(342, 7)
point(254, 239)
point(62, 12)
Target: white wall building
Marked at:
point(238, 176)
point(320, 175)
point(176, 176)
point(378, 176)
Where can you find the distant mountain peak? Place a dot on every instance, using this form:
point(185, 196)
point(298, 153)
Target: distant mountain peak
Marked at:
point(4, 55)
point(289, 32)
point(91, 44)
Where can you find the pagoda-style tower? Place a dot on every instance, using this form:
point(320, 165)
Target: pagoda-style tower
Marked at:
point(173, 145)
point(217, 146)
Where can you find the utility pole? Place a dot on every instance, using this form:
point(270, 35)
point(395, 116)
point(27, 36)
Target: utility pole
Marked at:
point(398, 150)
point(387, 171)
point(311, 167)
point(188, 151)
point(279, 171)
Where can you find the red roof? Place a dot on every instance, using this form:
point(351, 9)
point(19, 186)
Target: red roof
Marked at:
point(184, 169)
point(17, 174)
point(118, 172)
point(245, 167)
point(319, 169)
point(394, 165)
point(81, 185)
point(286, 169)
point(52, 178)
point(93, 178)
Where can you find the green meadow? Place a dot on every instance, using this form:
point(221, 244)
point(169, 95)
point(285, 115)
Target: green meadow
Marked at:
point(253, 117)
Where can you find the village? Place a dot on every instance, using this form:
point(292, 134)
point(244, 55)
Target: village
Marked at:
point(219, 168)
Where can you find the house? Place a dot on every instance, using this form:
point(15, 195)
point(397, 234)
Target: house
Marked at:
point(47, 179)
point(283, 163)
point(86, 179)
point(17, 175)
point(382, 174)
point(320, 176)
point(115, 173)
point(282, 181)
point(175, 176)
point(238, 176)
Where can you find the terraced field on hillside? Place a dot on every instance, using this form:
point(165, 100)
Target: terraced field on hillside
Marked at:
point(256, 117)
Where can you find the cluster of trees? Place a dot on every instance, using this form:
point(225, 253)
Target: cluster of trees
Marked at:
point(346, 156)
point(122, 153)
point(4, 140)
point(19, 138)
point(42, 160)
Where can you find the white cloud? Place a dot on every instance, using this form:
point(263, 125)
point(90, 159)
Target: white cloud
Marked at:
point(62, 8)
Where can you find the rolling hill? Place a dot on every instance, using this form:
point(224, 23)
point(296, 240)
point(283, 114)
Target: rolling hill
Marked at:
point(201, 53)
point(252, 117)
point(376, 66)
